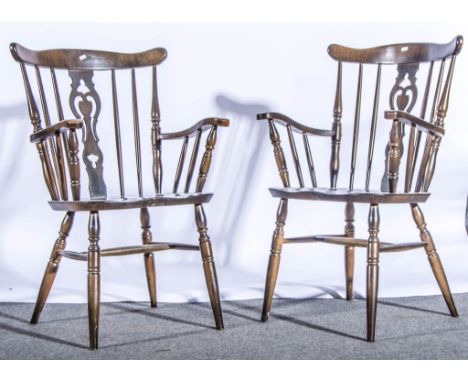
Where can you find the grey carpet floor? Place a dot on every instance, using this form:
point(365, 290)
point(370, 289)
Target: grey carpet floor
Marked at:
point(407, 328)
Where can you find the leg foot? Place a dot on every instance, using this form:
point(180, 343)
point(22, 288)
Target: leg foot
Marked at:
point(434, 259)
point(52, 266)
point(275, 255)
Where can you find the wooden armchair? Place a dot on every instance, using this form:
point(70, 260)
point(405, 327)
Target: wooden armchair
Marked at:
point(58, 147)
point(419, 168)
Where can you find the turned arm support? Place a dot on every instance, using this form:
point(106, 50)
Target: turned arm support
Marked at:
point(421, 124)
point(296, 126)
point(204, 124)
point(68, 124)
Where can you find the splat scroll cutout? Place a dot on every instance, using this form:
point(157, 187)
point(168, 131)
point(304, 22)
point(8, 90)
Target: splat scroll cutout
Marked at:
point(403, 96)
point(86, 104)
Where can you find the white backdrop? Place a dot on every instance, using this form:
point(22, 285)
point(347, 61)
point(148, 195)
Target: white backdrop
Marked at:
point(234, 71)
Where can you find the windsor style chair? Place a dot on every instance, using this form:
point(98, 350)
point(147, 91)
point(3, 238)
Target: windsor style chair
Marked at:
point(58, 148)
point(420, 164)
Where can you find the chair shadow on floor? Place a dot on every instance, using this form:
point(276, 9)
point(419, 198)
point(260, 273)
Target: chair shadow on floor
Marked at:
point(123, 308)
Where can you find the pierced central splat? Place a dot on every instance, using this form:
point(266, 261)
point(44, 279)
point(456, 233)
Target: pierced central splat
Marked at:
point(405, 92)
point(86, 104)
point(403, 96)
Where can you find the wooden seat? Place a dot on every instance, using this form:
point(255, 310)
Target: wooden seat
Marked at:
point(62, 155)
point(416, 136)
point(346, 195)
point(129, 202)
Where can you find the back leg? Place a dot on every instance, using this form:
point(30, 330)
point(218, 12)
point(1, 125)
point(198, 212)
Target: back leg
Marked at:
point(52, 266)
point(275, 256)
point(433, 258)
point(148, 257)
point(349, 250)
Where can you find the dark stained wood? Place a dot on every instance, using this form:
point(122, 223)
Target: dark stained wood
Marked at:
point(52, 266)
point(208, 265)
point(352, 242)
point(118, 139)
point(147, 238)
point(357, 116)
point(94, 279)
point(344, 195)
point(297, 164)
point(86, 105)
point(336, 127)
point(296, 126)
point(397, 53)
point(74, 166)
point(394, 156)
point(155, 135)
point(406, 129)
point(180, 165)
point(202, 125)
point(60, 127)
point(206, 160)
point(131, 250)
point(80, 59)
point(375, 109)
point(372, 270)
point(310, 161)
point(193, 160)
point(275, 257)
point(279, 155)
point(433, 258)
point(404, 117)
point(349, 250)
point(136, 131)
point(128, 203)
point(61, 156)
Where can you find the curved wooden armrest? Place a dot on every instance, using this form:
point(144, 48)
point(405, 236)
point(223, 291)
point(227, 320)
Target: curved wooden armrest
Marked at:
point(296, 126)
point(67, 124)
point(204, 124)
point(421, 124)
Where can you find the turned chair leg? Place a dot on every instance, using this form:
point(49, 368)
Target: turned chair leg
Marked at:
point(94, 282)
point(372, 271)
point(275, 256)
point(148, 257)
point(209, 266)
point(52, 266)
point(433, 258)
point(349, 250)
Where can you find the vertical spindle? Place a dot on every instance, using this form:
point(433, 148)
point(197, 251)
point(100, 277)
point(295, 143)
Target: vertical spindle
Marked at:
point(136, 130)
point(336, 127)
point(118, 141)
point(297, 164)
point(375, 111)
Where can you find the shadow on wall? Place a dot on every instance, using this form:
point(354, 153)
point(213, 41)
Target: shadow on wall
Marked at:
point(13, 144)
point(236, 174)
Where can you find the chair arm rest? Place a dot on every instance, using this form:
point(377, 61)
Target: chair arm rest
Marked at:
point(421, 124)
point(296, 126)
point(68, 124)
point(204, 124)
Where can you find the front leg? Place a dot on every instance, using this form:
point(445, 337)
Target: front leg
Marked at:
point(147, 238)
point(52, 266)
point(275, 257)
point(94, 279)
point(372, 271)
point(209, 266)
